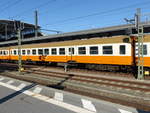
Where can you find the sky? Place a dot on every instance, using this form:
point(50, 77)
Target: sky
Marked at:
point(74, 15)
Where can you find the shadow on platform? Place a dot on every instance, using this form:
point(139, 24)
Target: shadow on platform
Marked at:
point(10, 96)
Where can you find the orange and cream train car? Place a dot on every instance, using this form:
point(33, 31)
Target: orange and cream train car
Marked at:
point(113, 53)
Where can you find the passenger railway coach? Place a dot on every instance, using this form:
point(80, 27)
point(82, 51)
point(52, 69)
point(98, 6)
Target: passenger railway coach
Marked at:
point(108, 53)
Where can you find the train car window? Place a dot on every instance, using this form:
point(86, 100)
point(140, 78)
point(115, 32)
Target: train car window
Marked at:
point(71, 51)
point(81, 50)
point(107, 50)
point(28, 52)
point(15, 52)
point(94, 50)
point(4, 52)
point(40, 51)
point(34, 51)
point(62, 51)
point(46, 51)
point(23, 52)
point(144, 49)
point(122, 49)
point(53, 51)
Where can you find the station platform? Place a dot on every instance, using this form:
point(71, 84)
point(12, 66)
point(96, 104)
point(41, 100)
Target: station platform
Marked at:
point(20, 96)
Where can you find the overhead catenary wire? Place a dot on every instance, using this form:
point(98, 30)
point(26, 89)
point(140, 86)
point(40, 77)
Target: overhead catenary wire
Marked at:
point(70, 20)
point(33, 8)
point(61, 7)
point(9, 5)
point(98, 13)
point(90, 26)
point(46, 3)
point(79, 17)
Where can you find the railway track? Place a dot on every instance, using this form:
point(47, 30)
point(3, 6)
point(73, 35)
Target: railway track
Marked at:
point(140, 86)
point(119, 74)
point(127, 92)
point(94, 80)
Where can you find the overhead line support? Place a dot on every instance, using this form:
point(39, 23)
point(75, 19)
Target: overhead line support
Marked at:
point(139, 28)
point(36, 23)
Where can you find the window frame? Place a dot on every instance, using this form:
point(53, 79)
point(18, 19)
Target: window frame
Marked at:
point(40, 50)
point(120, 52)
point(106, 50)
point(23, 52)
point(44, 52)
point(71, 50)
point(33, 51)
point(15, 52)
point(80, 51)
point(97, 51)
point(4, 52)
point(52, 51)
point(62, 52)
point(28, 52)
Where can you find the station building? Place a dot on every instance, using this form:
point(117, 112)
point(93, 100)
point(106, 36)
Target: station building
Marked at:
point(8, 30)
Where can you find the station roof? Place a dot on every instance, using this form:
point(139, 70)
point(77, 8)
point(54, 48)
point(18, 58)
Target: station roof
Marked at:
point(10, 25)
point(99, 32)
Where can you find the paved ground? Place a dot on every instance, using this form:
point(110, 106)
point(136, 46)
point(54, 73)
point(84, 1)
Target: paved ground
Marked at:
point(23, 97)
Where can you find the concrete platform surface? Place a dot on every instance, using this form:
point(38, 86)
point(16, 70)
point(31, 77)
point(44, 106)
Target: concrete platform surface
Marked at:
point(23, 97)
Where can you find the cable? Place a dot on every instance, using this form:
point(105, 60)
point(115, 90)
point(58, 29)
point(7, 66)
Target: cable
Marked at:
point(10, 5)
point(82, 17)
point(59, 23)
point(37, 7)
point(61, 7)
point(117, 21)
point(99, 13)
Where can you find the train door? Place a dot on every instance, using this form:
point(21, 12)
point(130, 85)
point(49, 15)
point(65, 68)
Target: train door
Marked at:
point(41, 55)
point(133, 52)
point(133, 55)
point(28, 55)
point(70, 53)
